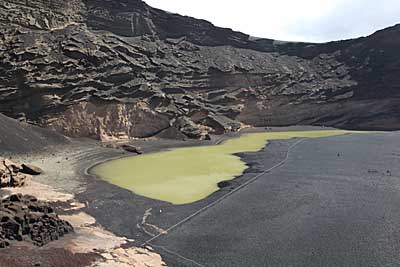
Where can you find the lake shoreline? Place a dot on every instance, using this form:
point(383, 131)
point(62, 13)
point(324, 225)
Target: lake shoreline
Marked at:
point(186, 175)
point(122, 203)
point(160, 145)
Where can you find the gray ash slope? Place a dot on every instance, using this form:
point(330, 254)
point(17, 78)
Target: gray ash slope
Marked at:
point(17, 137)
point(91, 68)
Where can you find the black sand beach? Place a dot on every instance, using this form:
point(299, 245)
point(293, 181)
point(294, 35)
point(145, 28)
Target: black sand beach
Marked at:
point(334, 203)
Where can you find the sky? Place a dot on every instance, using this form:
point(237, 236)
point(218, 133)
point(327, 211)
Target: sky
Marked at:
point(292, 20)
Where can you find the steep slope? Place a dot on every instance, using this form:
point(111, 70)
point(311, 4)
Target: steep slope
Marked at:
point(120, 69)
point(17, 137)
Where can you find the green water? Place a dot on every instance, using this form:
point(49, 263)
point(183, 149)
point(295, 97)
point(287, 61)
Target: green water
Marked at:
point(186, 175)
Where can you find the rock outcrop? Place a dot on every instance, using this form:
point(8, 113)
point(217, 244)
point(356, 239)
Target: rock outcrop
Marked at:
point(24, 218)
point(132, 149)
point(10, 174)
point(108, 121)
point(122, 69)
point(31, 169)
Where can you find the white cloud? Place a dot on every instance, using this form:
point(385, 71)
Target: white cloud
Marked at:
point(349, 19)
point(306, 20)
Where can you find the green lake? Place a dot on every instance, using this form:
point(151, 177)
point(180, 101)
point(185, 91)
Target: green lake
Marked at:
point(186, 175)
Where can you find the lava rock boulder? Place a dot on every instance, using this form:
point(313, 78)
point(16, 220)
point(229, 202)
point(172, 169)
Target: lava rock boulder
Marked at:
point(31, 169)
point(25, 218)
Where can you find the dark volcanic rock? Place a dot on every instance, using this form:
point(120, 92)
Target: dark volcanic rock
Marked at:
point(23, 217)
point(224, 184)
point(31, 169)
point(187, 127)
point(132, 149)
point(120, 69)
point(172, 133)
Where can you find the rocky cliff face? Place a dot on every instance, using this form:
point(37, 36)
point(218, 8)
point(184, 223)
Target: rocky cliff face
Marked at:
point(121, 69)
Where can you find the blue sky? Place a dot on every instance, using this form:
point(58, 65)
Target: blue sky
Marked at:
point(291, 20)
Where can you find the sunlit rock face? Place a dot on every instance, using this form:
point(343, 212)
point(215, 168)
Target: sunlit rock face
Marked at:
point(65, 62)
point(109, 121)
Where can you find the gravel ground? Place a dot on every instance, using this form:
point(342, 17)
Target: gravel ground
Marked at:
point(335, 202)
